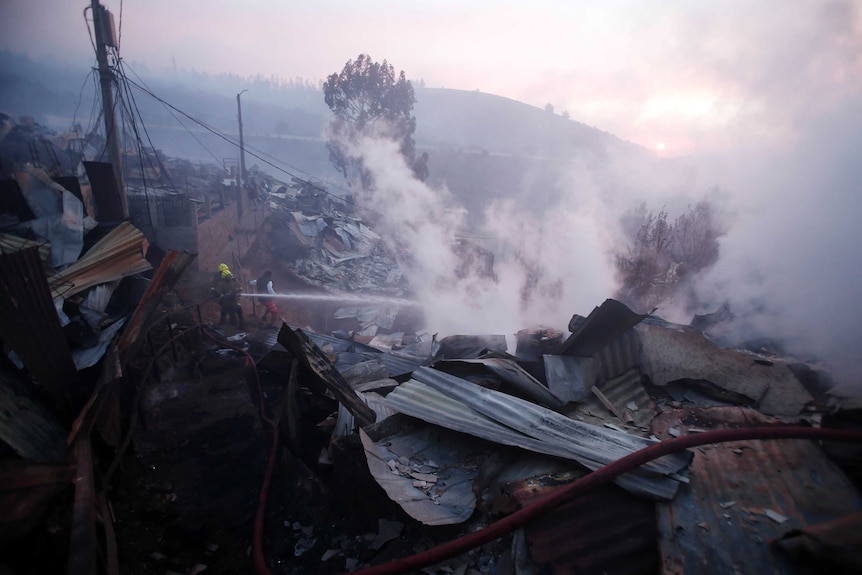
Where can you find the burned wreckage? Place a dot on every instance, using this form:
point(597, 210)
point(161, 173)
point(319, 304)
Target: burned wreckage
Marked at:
point(632, 445)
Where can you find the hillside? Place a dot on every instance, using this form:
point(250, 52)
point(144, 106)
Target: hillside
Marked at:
point(486, 122)
point(481, 146)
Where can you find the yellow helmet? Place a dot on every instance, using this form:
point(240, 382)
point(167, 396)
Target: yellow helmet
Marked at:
point(225, 271)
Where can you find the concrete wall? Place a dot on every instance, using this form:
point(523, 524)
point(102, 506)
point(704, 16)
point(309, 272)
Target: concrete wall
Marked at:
point(222, 237)
point(213, 237)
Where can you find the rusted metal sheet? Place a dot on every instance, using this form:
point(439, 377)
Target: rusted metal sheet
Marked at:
point(169, 272)
point(26, 490)
point(743, 494)
point(606, 530)
point(627, 398)
point(82, 541)
point(301, 347)
point(103, 407)
point(605, 324)
point(29, 322)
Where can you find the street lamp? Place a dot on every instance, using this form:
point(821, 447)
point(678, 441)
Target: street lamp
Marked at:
point(242, 174)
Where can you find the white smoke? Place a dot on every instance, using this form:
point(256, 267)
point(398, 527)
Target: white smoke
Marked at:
point(788, 267)
point(546, 266)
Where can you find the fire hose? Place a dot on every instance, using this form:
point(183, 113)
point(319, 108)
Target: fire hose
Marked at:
point(260, 566)
point(257, 541)
point(595, 479)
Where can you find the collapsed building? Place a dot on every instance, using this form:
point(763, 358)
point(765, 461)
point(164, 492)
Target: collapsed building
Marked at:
point(441, 445)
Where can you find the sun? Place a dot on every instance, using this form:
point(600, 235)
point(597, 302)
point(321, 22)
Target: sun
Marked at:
point(659, 146)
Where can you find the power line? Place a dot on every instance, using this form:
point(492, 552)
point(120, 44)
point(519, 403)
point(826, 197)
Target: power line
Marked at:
point(236, 144)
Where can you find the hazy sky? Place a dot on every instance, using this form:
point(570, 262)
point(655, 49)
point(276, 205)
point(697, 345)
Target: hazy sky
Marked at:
point(678, 76)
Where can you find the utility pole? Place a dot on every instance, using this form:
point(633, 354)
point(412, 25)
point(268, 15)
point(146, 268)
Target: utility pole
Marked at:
point(103, 24)
point(242, 174)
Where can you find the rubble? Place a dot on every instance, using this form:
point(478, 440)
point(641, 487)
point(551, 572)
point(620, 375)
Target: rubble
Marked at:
point(329, 247)
point(417, 440)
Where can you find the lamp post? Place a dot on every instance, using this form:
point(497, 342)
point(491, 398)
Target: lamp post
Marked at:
point(242, 175)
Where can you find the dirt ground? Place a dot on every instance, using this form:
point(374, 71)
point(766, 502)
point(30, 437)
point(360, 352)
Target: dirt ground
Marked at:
point(187, 493)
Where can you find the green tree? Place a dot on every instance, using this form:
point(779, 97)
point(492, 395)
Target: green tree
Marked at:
point(369, 99)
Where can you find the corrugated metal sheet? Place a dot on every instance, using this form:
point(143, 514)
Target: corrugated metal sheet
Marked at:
point(459, 405)
point(378, 404)
point(10, 243)
point(398, 366)
point(626, 397)
point(402, 462)
point(119, 254)
point(511, 373)
point(348, 353)
point(29, 322)
point(470, 346)
point(620, 355)
point(569, 378)
point(719, 524)
point(605, 324)
point(345, 423)
point(327, 342)
point(603, 531)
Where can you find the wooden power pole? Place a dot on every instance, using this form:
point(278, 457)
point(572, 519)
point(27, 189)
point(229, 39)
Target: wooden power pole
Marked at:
point(103, 23)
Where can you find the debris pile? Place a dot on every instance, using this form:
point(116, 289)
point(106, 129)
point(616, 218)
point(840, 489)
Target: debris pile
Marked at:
point(426, 440)
point(461, 428)
point(75, 297)
point(328, 246)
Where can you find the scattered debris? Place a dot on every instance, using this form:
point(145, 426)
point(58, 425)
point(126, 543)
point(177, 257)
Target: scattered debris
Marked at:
point(456, 432)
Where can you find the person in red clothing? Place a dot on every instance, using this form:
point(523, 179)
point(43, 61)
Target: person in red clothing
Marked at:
point(263, 285)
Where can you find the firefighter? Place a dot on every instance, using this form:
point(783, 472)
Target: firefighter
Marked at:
point(227, 289)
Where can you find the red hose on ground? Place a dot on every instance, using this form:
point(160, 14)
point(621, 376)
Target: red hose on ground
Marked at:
point(599, 477)
point(257, 540)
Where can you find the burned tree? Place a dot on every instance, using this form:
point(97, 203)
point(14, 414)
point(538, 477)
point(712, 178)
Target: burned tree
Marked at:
point(646, 265)
point(696, 234)
point(369, 99)
point(661, 257)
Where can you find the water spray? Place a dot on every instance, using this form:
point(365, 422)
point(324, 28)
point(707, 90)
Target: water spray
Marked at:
point(339, 298)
